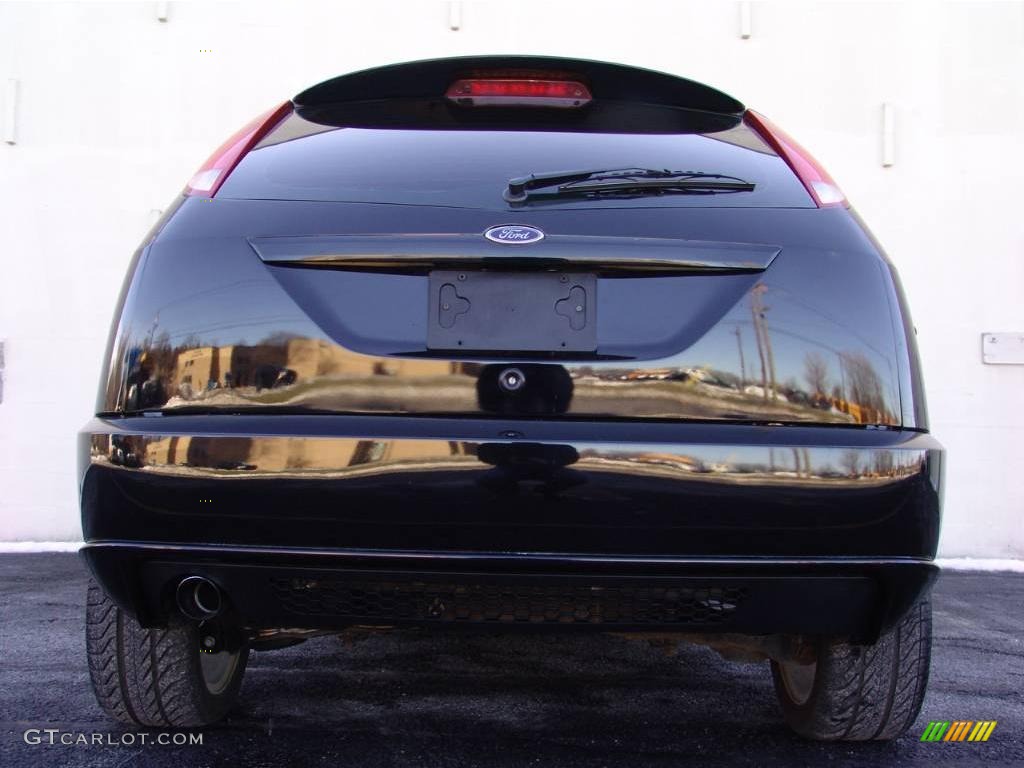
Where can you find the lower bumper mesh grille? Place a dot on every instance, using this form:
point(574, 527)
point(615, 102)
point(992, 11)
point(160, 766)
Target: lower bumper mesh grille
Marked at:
point(475, 602)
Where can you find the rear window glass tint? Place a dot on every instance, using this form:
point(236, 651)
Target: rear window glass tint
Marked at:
point(402, 157)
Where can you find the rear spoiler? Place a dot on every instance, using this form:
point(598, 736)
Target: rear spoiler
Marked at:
point(606, 255)
point(431, 79)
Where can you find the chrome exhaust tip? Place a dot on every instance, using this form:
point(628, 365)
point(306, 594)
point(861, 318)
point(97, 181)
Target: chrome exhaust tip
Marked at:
point(198, 598)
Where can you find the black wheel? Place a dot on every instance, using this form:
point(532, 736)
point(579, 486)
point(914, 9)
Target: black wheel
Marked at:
point(157, 677)
point(860, 692)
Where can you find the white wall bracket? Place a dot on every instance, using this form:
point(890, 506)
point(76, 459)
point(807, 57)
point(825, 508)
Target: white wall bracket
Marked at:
point(745, 20)
point(11, 111)
point(1002, 348)
point(455, 15)
point(888, 135)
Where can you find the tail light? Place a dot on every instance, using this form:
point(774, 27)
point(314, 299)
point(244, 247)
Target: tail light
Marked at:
point(823, 189)
point(207, 180)
point(518, 92)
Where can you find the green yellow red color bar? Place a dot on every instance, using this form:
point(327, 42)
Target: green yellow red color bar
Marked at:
point(958, 730)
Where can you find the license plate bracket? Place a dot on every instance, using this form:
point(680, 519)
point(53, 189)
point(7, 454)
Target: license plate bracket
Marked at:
point(477, 311)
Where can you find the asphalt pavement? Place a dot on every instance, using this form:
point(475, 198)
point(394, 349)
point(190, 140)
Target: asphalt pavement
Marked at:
point(490, 700)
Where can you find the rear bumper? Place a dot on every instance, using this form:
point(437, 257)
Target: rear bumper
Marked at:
point(322, 521)
point(269, 588)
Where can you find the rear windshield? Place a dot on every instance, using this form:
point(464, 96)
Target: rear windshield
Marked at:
point(432, 153)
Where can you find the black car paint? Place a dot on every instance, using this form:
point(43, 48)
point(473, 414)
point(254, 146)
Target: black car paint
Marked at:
point(320, 435)
point(827, 292)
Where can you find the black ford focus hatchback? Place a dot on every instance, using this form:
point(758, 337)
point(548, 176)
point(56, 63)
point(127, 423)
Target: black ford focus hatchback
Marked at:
point(512, 343)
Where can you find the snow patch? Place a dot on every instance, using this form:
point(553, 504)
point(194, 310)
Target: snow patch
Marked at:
point(979, 564)
point(39, 546)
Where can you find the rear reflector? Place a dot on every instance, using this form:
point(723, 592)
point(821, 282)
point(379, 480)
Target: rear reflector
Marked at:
point(215, 170)
point(518, 92)
point(823, 189)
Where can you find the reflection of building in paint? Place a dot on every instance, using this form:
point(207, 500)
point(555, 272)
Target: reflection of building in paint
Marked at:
point(267, 365)
point(275, 454)
point(196, 368)
point(241, 456)
point(862, 414)
point(331, 377)
point(652, 374)
point(675, 460)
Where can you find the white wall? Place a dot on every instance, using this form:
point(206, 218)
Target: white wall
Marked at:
point(116, 110)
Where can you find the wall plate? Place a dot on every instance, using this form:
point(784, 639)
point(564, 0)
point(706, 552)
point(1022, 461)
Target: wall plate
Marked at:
point(1002, 348)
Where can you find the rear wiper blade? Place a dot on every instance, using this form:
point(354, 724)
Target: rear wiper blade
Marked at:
point(622, 179)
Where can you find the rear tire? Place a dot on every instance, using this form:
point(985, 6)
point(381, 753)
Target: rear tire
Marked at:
point(860, 692)
point(156, 677)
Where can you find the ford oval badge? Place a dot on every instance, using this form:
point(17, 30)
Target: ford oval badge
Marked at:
point(513, 234)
